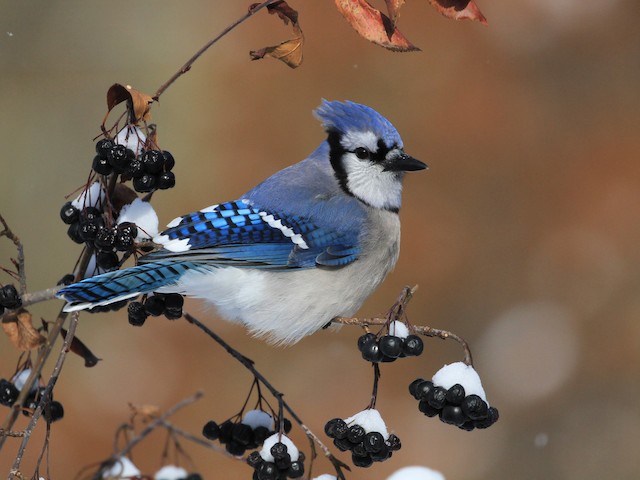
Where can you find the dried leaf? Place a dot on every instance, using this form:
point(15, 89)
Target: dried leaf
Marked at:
point(374, 25)
point(393, 8)
point(459, 10)
point(290, 51)
point(79, 348)
point(18, 326)
point(138, 103)
point(146, 412)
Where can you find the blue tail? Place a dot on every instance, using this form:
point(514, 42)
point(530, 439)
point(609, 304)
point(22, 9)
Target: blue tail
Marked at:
point(122, 284)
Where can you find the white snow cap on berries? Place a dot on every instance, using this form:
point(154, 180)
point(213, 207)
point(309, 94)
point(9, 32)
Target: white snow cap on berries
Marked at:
point(90, 197)
point(265, 453)
point(465, 375)
point(258, 418)
point(416, 473)
point(143, 215)
point(131, 137)
point(370, 420)
point(20, 378)
point(122, 468)
point(170, 472)
point(398, 329)
point(326, 476)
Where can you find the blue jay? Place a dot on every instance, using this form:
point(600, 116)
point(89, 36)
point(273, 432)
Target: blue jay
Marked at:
point(308, 244)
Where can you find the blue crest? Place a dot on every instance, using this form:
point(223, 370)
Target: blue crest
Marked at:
point(349, 116)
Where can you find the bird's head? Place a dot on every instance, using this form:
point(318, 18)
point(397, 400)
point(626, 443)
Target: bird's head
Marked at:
point(366, 153)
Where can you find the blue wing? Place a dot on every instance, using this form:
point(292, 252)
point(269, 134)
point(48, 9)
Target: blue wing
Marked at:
point(243, 235)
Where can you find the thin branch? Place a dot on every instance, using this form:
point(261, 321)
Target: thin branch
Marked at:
point(16, 241)
point(192, 438)
point(40, 296)
point(187, 66)
point(10, 433)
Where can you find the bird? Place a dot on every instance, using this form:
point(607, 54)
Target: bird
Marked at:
point(308, 244)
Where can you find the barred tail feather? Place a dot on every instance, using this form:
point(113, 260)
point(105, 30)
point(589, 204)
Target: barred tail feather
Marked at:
point(123, 284)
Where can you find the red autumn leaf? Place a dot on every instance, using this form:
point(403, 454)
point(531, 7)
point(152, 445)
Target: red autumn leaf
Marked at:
point(393, 8)
point(459, 10)
point(289, 51)
point(138, 103)
point(374, 25)
point(17, 325)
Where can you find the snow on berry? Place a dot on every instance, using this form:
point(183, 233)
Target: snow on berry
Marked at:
point(258, 418)
point(91, 197)
point(171, 472)
point(463, 374)
point(265, 453)
point(20, 378)
point(371, 420)
point(326, 476)
point(131, 137)
point(416, 473)
point(143, 215)
point(122, 468)
point(398, 329)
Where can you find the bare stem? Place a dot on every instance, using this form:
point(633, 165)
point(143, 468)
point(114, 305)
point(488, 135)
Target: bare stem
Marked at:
point(20, 263)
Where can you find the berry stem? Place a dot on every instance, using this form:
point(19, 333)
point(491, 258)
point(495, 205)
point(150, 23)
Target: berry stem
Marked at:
point(376, 377)
point(22, 277)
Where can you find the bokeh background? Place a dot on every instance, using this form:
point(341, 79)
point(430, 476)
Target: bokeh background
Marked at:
point(523, 235)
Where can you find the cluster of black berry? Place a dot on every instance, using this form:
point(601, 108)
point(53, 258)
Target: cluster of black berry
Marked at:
point(388, 348)
point(9, 298)
point(282, 466)
point(453, 405)
point(9, 394)
point(167, 304)
point(366, 447)
point(238, 437)
point(150, 170)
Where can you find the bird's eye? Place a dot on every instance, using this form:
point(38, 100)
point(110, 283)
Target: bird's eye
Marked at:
point(362, 153)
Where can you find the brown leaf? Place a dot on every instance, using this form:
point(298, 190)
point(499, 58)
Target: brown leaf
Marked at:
point(17, 325)
point(459, 10)
point(138, 103)
point(290, 51)
point(79, 348)
point(374, 25)
point(393, 8)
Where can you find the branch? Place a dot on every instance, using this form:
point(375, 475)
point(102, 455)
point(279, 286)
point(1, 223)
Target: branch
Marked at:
point(20, 263)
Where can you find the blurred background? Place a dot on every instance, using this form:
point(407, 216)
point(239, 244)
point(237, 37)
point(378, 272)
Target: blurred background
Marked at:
point(523, 234)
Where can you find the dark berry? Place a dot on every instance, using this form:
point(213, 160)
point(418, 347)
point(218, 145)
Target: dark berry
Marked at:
point(390, 346)
point(362, 462)
point(145, 183)
point(423, 390)
point(174, 300)
point(211, 430)
point(226, 430)
point(342, 444)
point(68, 279)
point(53, 412)
point(254, 459)
point(267, 471)
point(475, 407)
point(242, 433)
point(413, 346)
point(74, 233)
point(105, 239)
point(134, 169)
point(413, 387)
point(169, 161)
point(278, 450)
point(119, 157)
point(286, 423)
point(490, 419)
point(193, 476)
point(260, 434)
point(137, 314)
point(152, 161)
point(394, 442)
point(437, 397)
point(125, 237)
point(382, 454)
point(101, 165)
point(365, 339)
point(373, 442)
point(107, 260)
point(8, 393)
point(166, 180)
point(336, 428)
point(356, 434)
point(359, 450)
point(468, 425)
point(9, 297)
point(69, 214)
point(455, 394)
point(427, 409)
point(235, 448)
point(154, 305)
point(284, 462)
point(296, 469)
point(103, 147)
point(453, 415)
point(173, 313)
point(371, 352)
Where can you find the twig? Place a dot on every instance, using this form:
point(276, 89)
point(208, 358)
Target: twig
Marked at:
point(249, 365)
point(46, 395)
point(10, 433)
point(40, 296)
point(16, 241)
point(187, 66)
point(169, 426)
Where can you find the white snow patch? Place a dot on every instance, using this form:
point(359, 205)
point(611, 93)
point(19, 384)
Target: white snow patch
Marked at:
point(122, 468)
point(265, 453)
point(143, 215)
point(131, 137)
point(370, 420)
point(20, 378)
point(416, 473)
point(326, 476)
point(463, 374)
point(258, 418)
point(398, 329)
point(91, 197)
point(170, 472)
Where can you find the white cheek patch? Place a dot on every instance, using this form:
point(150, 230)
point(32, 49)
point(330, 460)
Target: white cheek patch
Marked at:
point(352, 140)
point(288, 232)
point(371, 184)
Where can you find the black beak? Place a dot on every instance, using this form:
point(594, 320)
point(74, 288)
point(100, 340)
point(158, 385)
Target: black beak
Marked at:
point(404, 163)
